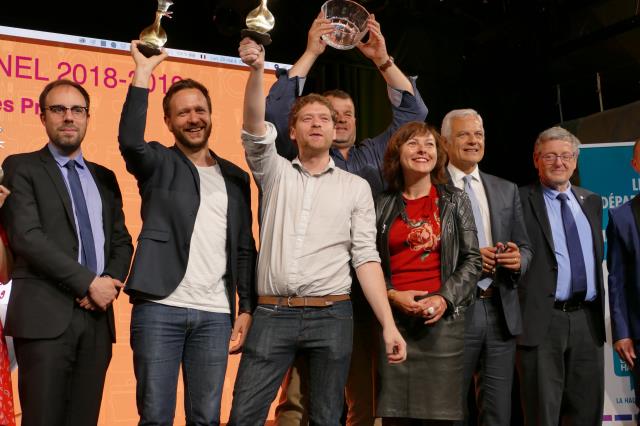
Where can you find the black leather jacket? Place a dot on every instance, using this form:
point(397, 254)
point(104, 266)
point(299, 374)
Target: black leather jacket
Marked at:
point(460, 260)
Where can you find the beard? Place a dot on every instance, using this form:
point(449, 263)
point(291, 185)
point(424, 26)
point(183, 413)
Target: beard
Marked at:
point(193, 145)
point(67, 145)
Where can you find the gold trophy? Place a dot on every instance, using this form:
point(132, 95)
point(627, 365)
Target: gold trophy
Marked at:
point(259, 22)
point(153, 37)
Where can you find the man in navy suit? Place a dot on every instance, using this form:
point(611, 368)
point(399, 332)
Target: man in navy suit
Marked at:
point(623, 258)
point(560, 356)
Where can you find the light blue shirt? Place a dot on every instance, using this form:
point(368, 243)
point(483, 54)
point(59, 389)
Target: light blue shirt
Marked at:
point(92, 198)
point(563, 287)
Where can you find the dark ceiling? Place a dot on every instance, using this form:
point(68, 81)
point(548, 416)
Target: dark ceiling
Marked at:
point(508, 59)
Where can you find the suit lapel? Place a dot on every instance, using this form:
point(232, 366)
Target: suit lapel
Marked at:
point(52, 169)
point(596, 228)
point(635, 210)
point(539, 208)
point(192, 167)
point(492, 200)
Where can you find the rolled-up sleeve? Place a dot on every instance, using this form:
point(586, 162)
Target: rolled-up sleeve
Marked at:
point(363, 227)
point(260, 151)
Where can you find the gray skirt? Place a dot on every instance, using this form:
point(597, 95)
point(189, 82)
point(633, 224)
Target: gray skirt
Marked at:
point(428, 385)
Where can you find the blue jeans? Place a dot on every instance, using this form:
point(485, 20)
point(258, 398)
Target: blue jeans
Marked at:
point(277, 335)
point(162, 338)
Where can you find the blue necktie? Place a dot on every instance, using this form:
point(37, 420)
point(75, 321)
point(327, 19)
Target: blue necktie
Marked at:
point(576, 259)
point(88, 255)
point(477, 218)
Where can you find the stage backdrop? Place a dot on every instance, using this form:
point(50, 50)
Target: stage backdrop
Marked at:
point(606, 169)
point(30, 59)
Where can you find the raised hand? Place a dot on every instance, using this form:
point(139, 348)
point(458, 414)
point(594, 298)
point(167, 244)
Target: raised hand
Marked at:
point(251, 53)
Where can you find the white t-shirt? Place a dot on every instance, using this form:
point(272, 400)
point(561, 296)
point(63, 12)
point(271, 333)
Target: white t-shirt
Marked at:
point(203, 285)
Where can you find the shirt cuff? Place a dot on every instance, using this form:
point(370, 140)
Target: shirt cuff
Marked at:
point(268, 138)
point(395, 95)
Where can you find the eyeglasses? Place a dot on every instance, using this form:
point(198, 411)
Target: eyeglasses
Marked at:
point(552, 158)
point(77, 111)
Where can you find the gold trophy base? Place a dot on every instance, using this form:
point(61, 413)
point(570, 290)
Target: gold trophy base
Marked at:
point(148, 50)
point(260, 38)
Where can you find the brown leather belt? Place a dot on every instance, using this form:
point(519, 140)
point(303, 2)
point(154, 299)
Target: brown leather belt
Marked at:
point(485, 294)
point(301, 302)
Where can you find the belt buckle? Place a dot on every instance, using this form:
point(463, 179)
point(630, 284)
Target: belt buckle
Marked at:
point(289, 301)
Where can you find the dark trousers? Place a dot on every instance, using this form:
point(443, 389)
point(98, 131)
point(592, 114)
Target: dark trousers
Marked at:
point(60, 380)
point(562, 379)
point(489, 357)
point(360, 394)
point(277, 335)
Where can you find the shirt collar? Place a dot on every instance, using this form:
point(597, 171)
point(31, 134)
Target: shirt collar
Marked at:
point(552, 194)
point(330, 166)
point(457, 175)
point(62, 159)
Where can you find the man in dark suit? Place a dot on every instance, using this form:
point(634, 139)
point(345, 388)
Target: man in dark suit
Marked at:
point(195, 250)
point(560, 353)
point(72, 251)
point(623, 258)
point(494, 320)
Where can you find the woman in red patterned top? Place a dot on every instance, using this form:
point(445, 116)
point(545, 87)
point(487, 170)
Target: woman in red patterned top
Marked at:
point(429, 251)
point(7, 417)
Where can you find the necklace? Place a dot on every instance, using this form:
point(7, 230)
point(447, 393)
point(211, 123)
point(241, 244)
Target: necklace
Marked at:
point(405, 217)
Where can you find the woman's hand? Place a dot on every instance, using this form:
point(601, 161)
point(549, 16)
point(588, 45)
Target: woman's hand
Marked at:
point(432, 308)
point(406, 301)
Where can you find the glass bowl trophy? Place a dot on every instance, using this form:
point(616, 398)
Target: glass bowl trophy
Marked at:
point(349, 20)
point(259, 22)
point(154, 37)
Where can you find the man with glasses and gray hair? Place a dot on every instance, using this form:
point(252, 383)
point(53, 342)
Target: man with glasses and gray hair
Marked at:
point(560, 351)
point(72, 252)
point(494, 320)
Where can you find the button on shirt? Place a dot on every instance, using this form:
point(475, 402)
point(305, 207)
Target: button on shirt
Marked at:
point(312, 226)
point(563, 287)
point(92, 198)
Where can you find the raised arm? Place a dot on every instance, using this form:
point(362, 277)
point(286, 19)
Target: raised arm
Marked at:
point(252, 54)
point(140, 158)
point(376, 50)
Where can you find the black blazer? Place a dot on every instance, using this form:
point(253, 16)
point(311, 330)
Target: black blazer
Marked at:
point(38, 217)
point(538, 286)
point(507, 224)
point(169, 185)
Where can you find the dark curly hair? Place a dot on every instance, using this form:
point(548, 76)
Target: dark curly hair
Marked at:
point(392, 170)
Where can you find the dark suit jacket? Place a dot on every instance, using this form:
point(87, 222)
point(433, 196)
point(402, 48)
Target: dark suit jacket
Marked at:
point(169, 185)
point(538, 286)
point(507, 224)
point(38, 217)
point(623, 261)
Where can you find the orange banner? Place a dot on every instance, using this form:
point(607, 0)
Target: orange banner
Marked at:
point(25, 68)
